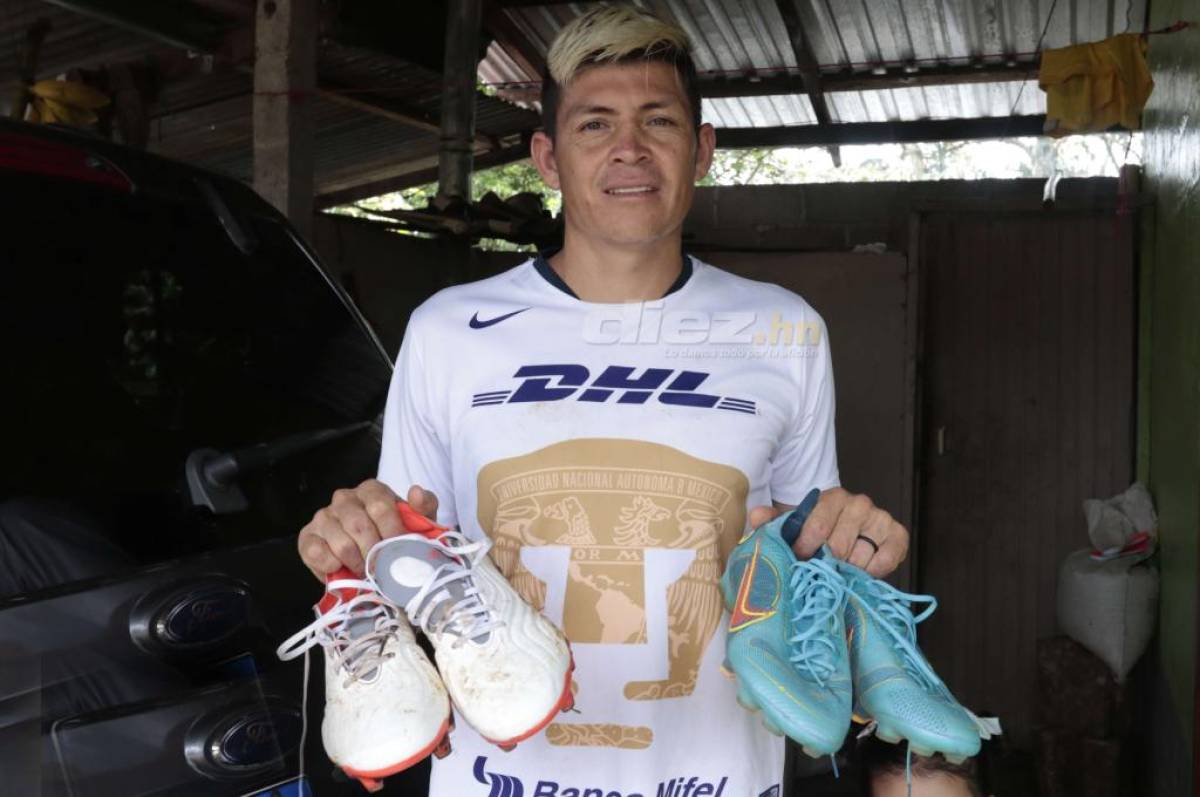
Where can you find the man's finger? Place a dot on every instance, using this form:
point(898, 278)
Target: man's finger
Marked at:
point(316, 555)
point(424, 501)
point(354, 522)
point(762, 514)
point(891, 552)
point(870, 539)
point(819, 526)
point(856, 513)
point(345, 549)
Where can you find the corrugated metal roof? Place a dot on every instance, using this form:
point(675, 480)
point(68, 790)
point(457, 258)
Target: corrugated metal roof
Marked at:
point(74, 41)
point(207, 119)
point(739, 37)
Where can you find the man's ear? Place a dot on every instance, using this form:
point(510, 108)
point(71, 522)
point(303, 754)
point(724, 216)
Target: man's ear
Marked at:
point(541, 150)
point(706, 143)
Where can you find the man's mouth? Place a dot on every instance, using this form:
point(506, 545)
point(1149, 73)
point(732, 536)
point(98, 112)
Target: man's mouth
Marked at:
point(630, 190)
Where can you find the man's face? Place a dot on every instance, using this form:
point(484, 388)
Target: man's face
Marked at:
point(625, 154)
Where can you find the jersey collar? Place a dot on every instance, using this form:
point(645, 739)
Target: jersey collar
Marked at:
point(542, 264)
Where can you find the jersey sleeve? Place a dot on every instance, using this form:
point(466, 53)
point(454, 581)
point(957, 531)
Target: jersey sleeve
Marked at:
point(415, 445)
point(807, 454)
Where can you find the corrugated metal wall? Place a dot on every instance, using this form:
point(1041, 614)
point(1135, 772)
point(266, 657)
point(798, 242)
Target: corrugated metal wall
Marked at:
point(1029, 354)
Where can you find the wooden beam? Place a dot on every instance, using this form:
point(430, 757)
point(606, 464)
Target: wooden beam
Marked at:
point(810, 73)
point(27, 58)
point(377, 106)
point(879, 132)
point(525, 3)
point(948, 75)
point(285, 77)
point(515, 43)
point(179, 24)
point(459, 95)
point(419, 176)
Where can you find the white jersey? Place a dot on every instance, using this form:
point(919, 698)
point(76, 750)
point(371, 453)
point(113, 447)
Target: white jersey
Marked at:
point(610, 452)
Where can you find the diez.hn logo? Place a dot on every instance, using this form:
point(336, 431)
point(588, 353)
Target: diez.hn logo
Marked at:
point(650, 323)
point(562, 381)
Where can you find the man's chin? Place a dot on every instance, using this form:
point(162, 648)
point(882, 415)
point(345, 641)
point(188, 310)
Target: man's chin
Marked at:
point(633, 234)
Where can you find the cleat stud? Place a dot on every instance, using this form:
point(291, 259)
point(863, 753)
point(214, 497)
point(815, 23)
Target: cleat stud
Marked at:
point(508, 748)
point(728, 673)
point(812, 752)
point(371, 784)
point(887, 735)
point(746, 700)
point(443, 748)
point(924, 752)
point(568, 702)
point(771, 727)
point(956, 759)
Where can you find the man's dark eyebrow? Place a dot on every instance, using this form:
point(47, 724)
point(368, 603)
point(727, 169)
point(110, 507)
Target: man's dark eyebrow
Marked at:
point(580, 110)
point(604, 110)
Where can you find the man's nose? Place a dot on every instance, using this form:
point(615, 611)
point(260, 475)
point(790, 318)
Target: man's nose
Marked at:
point(630, 145)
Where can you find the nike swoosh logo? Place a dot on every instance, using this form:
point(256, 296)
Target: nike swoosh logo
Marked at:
point(478, 324)
point(743, 614)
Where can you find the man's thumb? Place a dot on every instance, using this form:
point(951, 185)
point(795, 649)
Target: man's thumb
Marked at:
point(423, 501)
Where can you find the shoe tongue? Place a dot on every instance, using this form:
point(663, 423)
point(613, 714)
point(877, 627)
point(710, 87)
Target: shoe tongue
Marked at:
point(793, 522)
point(355, 627)
point(406, 564)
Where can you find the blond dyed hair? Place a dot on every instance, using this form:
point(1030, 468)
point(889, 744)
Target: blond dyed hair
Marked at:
point(615, 34)
point(611, 34)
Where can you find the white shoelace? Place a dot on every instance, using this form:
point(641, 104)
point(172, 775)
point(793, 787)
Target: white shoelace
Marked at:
point(361, 657)
point(468, 618)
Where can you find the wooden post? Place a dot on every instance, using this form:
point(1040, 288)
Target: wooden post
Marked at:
point(285, 76)
point(457, 154)
point(28, 58)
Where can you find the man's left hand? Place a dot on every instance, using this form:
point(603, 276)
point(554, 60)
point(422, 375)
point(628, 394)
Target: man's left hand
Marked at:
point(854, 528)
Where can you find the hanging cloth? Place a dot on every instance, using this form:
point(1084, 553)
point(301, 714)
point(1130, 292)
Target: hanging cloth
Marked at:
point(1091, 87)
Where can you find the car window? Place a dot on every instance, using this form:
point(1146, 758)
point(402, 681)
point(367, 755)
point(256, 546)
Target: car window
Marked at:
point(136, 338)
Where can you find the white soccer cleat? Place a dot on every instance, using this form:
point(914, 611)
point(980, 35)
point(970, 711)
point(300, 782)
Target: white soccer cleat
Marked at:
point(385, 706)
point(507, 668)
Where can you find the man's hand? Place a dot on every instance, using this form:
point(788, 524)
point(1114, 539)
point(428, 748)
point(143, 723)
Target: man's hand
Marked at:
point(339, 535)
point(840, 519)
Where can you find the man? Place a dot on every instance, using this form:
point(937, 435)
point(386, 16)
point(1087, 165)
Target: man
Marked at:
point(598, 416)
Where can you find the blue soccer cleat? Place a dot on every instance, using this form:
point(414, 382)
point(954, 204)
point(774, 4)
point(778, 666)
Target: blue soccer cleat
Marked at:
point(787, 644)
point(894, 685)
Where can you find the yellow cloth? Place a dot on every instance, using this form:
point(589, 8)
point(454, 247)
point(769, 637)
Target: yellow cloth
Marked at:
point(1091, 87)
point(65, 102)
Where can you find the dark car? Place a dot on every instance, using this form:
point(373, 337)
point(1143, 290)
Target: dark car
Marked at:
point(183, 388)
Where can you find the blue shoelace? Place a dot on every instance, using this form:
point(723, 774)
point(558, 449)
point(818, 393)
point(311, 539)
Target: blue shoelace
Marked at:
point(818, 596)
point(892, 609)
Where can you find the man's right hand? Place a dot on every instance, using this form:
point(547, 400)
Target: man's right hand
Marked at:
point(340, 534)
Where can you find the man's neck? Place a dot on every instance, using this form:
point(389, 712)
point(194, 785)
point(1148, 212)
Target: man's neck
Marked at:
point(618, 274)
